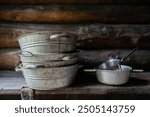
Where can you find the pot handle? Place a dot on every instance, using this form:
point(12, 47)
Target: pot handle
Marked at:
point(18, 68)
point(65, 58)
point(34, 66)
point(54, 36)
point(21, 52)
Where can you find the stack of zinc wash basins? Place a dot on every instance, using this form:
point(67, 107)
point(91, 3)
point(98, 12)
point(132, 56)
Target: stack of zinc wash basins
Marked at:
point(49, 60)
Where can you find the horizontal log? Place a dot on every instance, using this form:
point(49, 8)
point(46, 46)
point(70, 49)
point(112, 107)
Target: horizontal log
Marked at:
point(74, 14)
point(115, 2)
point(91, 36)
point(9, 59)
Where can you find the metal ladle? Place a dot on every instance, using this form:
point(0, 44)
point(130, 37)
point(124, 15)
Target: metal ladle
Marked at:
point(124, 58)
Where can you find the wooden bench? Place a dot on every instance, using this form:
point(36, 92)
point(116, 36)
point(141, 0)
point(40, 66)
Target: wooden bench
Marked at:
point(13, 86)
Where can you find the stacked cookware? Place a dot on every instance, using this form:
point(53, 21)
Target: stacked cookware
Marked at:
point(113, 72)
point(48, 59)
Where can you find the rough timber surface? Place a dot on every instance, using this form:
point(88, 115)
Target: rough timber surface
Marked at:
point(139, 84)
point(75, 13)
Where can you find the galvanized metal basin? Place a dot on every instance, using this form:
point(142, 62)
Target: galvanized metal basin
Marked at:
point(49, 78)
point(57, 63)
point(46, 57)
point(47, 42)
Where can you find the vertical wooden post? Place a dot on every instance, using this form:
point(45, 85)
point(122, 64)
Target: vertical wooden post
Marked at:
point(27, 93)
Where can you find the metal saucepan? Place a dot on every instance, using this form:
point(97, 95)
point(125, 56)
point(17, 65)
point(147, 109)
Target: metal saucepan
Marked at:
point(114, 77)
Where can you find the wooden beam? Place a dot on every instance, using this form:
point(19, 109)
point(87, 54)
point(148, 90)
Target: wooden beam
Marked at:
point(115, 2)
point(91, 36)
point(75, 14)
point(9, 58)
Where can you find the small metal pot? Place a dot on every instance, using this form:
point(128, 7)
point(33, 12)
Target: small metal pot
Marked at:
point(114, 77)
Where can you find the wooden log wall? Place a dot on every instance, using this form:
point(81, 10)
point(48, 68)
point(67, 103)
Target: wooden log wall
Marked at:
point(9, 59)
point(91, 36)
point(74, 13)
point(104, 27)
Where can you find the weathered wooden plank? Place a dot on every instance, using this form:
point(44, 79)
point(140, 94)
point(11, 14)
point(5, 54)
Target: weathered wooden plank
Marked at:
point(89, 88)
point(140, 59)
point(75, 14)
point(8, 73)
point(91, 36)
point(116, 2)
point(11, 82)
